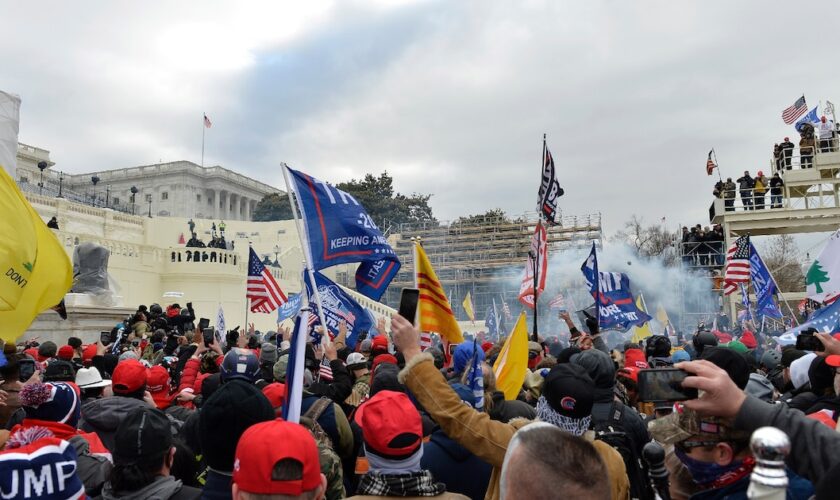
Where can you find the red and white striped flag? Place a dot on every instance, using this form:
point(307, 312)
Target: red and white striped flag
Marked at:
point(325, 371)
point(558, 302)
point(264, 292)
point(737, 265)
point(506, 311)
point(791, 113)
point(425, 340)
point(207, 122)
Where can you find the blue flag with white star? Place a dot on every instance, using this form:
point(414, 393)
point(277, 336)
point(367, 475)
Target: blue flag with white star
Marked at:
point(338, 306)
point(339, 231)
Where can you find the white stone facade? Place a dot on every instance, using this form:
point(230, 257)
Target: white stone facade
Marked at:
point(178, 189)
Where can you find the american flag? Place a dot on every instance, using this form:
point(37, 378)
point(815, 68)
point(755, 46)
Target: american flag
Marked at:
point(791, 113)
point(325, 371)
point(506, 311)
point(264, 292)
point(558, 302)
point(425, 340)
point(737, 265)
point(207, 122)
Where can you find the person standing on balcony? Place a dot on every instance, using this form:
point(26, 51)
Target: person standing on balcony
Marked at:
point(776, 185)
point(222, 227)
point(787, 152)
point(826, 130)
point(729, 194)
point(746, 185)
point(759, 190)
point(806, 147)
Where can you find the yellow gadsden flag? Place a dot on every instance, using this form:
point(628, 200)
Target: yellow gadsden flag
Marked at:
point(467, 303)
point(435, 312)
point(641, 332)
point(512, 364)
point(36, 272)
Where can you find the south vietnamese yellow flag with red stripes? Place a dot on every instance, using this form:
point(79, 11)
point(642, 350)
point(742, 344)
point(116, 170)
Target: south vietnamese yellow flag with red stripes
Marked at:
point(433, 307)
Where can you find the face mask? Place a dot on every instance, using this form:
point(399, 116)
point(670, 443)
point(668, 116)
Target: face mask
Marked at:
point(704, 473)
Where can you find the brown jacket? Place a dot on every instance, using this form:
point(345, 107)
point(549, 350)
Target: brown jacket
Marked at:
point(487, 439)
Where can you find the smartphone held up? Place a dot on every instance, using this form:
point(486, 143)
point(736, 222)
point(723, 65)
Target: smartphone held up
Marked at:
point(664, 385)
point(409, 298)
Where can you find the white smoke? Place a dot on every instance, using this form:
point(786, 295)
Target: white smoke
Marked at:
point(676, 289)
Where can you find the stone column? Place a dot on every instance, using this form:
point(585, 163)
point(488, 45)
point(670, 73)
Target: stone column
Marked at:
point(214, 193)
point(234, 205)
point(248, 209)
point(224, 200)
point(243, 202)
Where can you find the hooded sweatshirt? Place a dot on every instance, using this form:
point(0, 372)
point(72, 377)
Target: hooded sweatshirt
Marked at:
point(601, 369)
point(104, 415)
point(162, 488)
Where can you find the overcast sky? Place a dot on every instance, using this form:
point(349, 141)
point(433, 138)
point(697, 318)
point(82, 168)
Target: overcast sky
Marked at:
point(452, 98)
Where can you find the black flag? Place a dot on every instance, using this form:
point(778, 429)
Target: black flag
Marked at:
point(550, 189)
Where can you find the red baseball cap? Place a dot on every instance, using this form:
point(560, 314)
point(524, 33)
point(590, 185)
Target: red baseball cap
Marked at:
point(88, 353)
point(382, 358)
point(276, 394)
point(635, 358)
point(258, 452)
point(379, 342)
point(390, 425)
point(129, 376)
point(66, 353)
point(157, 383)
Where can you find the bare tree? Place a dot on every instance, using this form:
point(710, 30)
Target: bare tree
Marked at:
point(783, 259)
point(648, 240)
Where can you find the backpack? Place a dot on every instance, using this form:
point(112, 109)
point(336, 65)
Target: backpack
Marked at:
point(612, 433)
point(330, 463)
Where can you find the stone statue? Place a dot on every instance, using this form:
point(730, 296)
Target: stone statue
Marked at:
point(90, 269)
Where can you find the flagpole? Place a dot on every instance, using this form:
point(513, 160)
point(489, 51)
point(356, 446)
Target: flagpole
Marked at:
point(535, 335)
point(717, 165)
point(247, 300)
point(203, 129)
point(304, 244)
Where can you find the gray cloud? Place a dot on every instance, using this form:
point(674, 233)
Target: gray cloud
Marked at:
point(451, 97)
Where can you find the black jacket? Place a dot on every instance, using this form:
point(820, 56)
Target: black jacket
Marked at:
point(746, 183)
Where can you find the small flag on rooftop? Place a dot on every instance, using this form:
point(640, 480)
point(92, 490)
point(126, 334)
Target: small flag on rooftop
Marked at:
point(791, 113)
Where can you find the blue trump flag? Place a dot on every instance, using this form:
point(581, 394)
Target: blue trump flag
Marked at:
point(764, 285)
point(339, 305)
point(290, 308)
point(745, 301)
point(490, 321)
point(339, 231)
point(616, 307)
point(811, 117)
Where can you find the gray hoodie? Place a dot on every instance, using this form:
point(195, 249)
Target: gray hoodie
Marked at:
point(104, 415)
point(162, 488)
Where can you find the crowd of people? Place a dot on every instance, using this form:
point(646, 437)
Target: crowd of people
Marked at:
point(160, 409)
point(752, 190)
point(703, 246)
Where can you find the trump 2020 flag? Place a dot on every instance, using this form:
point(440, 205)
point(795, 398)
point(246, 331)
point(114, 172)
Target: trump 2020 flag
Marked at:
point(290, 309)
point(339, 231)
point(615, 305)
point(491, 321)
point(539, 250)
point(550, 189)
point(764, 285)
point(339, 305)
point(811, 118)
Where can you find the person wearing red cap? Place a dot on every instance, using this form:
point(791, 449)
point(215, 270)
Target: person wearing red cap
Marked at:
point(378, 345)
point(261, 468)
point(158, 385)
point(66, 353)
point(393, 444)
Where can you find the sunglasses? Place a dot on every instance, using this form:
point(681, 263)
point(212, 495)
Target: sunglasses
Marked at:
point(533, 354)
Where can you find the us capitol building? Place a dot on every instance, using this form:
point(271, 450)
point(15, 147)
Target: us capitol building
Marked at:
point(174, 189)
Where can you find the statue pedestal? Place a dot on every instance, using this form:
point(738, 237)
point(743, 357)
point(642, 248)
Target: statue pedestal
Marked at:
point(86, 318)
